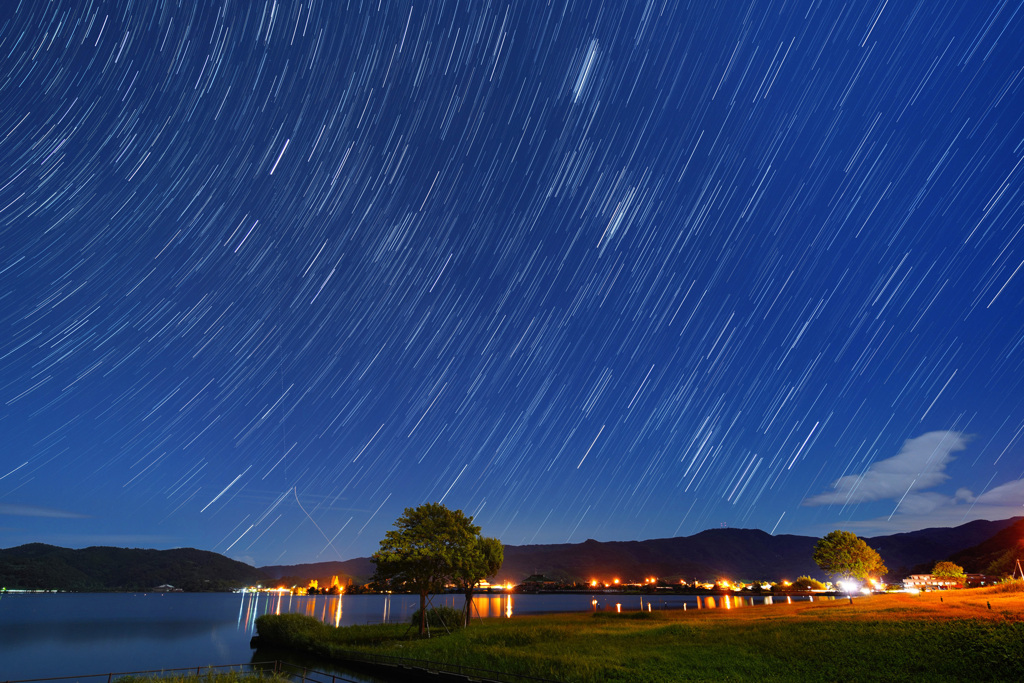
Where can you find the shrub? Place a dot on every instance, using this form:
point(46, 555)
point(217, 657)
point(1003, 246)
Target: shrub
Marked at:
point(807, 583)
point(288, 629)
point(447, 618)
point(1007, 586)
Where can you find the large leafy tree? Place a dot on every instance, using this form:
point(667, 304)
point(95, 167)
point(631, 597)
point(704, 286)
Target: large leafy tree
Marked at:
point(480, 559)
point(948, 570)
point(842, 554)
point(421, 552)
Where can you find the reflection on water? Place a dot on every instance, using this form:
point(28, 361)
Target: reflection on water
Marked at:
point(98, 633)
point(493, 605)
point(326, 608)
point(346, 610)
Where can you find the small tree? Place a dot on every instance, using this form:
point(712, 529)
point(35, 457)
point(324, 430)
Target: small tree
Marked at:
point(807, 583)
point(420, 553)
point(482, 558)
point(948, 570)
point(843, 554)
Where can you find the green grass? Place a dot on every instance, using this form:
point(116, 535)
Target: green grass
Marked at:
point(923, 639)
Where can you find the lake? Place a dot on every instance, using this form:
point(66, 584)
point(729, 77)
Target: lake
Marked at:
point(72, 634)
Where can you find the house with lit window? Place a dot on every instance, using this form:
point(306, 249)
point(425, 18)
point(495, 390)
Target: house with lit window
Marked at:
point(930, 582)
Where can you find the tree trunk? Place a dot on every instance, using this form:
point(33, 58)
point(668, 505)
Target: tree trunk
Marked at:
point(423, 612)
point(469, 605)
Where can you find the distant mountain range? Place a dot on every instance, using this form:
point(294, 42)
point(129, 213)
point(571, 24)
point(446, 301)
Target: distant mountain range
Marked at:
point(49, 567)
point(737, 554)
point(716, 553)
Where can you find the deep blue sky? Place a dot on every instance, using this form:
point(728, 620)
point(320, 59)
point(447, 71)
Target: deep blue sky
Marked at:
point(271, 272)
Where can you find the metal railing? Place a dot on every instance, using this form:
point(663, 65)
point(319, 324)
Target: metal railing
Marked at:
point(305, 674)
point(276, 667)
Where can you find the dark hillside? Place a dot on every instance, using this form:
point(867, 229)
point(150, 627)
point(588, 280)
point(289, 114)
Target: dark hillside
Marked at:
point(996, 555)
point(736, 554)
point(716, 553)
point(38, 566)
point(917, 551)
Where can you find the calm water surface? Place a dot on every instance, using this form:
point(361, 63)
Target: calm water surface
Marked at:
point(70, 634)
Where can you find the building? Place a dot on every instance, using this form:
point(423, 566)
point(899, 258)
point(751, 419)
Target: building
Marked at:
point(930, 582)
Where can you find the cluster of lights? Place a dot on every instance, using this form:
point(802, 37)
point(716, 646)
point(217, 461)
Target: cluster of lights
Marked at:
point(594, 583)
point(846, 586)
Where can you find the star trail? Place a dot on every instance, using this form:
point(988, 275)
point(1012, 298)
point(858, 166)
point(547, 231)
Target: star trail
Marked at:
point(271, 272)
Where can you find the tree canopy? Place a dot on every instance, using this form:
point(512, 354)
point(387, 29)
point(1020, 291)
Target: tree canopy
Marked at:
point(481, 558)
point(843, 555)
point(948, 570)
point(429, 546)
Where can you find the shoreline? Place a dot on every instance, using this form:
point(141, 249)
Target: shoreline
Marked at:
point(969, 634)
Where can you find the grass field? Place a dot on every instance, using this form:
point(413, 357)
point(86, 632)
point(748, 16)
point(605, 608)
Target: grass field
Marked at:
point(975, 635)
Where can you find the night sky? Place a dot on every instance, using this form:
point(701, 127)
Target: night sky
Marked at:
point(271, 272)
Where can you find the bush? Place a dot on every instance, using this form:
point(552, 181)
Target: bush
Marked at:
point(807, 583)
point(1007, 586)
point(447, 618)
point(288, 630)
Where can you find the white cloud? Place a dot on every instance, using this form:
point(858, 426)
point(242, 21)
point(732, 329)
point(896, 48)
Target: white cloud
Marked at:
point(923, 503)
point(1010, 493)
point(36, 511)
point(904, 478)
point(919, 465)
